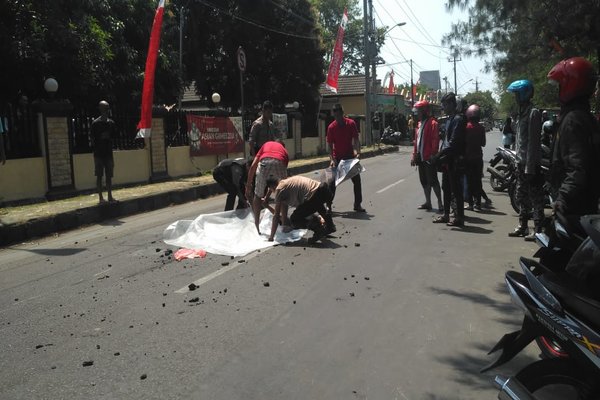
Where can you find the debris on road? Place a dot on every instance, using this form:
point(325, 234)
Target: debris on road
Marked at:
point(88, 363)
point(192, 286)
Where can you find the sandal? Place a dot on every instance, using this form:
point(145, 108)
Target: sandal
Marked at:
point(456, 222)
point(442, 219)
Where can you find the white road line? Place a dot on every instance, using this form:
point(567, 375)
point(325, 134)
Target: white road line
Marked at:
point(220, 272)
point(103, 272)
point(390, 186)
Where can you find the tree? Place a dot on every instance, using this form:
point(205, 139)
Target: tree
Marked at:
point(526, 38)
point(282, 44)
point(91, 47)
point(486, 103)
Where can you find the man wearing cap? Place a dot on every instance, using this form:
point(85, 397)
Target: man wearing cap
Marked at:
point(262, 130)
point(344, 144)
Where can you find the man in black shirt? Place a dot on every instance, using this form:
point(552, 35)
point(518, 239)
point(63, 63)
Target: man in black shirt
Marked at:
point(104, 131)
point(232, 174)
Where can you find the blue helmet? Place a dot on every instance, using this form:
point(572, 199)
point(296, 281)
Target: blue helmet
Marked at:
point(524, 89)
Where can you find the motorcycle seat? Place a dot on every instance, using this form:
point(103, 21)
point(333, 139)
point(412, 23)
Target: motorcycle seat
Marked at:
point(574, 297)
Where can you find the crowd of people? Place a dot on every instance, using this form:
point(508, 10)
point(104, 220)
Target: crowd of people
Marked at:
point(574, 140)
point(254, 182)
point(456, 154)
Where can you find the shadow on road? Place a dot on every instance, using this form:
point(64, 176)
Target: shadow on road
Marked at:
point(111, 222)
point(467, 364)
point(52, 252)
point(352, 215)
point(473, 229)
point(476, 220)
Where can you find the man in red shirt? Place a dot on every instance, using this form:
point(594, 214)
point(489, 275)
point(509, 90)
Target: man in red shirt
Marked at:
point(342, 138)
point(426, 145)
point(271, 161)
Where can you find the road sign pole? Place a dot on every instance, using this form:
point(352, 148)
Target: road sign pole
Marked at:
point(241, 59)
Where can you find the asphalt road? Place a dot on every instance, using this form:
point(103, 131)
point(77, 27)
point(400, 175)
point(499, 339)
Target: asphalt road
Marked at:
point(391, 307)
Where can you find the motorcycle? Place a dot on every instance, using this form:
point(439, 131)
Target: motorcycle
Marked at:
point(391, 137)
point(562, 306)
point(558, 243)
point(500, 169)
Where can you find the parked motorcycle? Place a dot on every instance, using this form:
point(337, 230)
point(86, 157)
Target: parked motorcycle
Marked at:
point(563, 306)
point(391, 137)
point(500, 168)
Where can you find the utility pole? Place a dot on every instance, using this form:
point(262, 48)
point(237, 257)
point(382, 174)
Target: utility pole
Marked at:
point(367, 63)
point(476, 85)
point(454, 60)
point(446, 83)
point(412, 87)
point(372, 49)
point(181, 10)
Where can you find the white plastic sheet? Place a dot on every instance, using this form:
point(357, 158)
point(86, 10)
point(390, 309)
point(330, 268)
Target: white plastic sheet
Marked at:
point(229, 233)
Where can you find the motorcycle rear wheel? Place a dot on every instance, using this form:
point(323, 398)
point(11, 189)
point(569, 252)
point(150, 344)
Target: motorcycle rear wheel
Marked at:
point(497, 184)
point(558, 379)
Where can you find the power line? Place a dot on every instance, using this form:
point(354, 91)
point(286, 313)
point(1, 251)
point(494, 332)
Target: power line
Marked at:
point(257, 24)
point(432, 40)
point(290, 12)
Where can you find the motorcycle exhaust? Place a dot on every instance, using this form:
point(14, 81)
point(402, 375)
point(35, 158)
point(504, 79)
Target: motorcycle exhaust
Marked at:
point(496, 174)
point(511, 389)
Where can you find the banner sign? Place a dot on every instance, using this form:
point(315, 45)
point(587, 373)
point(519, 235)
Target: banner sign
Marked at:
point(215, 135)
point(337, 56)
point(280, 126)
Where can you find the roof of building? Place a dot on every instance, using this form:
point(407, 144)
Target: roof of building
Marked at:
point(348, 85)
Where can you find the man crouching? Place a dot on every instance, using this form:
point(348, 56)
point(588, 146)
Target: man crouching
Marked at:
point(309, 197)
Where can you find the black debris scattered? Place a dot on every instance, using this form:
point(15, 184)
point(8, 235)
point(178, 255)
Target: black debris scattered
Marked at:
point(294, 301)
point(88, 363)
point(241, 261)
point(194, 300)
point(163, 304)
point(367, 278)
point(39, 346)
point(351, 294)
point(225, 263)
point(266, 284)
point(144, 376)
point(225, 290)
point(158, 250)
point(117, 354)
point(356, 244)
point(292, 263)
point(353, 276)
point(192, 286)
point(53, 367)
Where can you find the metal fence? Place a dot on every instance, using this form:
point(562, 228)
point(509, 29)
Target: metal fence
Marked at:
point(80, 124)
point(22, 139)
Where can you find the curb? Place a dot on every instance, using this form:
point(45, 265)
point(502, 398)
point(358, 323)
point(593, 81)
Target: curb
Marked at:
point(39, 227)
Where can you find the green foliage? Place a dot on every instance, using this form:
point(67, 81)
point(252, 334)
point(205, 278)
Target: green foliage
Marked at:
point(526, 38)
point(280, 67)
point(486, 103)
point(94, 49)
point(330, 15)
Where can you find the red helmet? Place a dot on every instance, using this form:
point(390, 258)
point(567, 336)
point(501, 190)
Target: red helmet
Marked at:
point(473, 112)
point(423, 105)
point(575, 77)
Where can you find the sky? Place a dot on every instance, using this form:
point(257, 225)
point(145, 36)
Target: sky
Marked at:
point(427, 21)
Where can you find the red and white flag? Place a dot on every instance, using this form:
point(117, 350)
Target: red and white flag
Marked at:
point(337, 56)
point(391, 87)
point(145, 124)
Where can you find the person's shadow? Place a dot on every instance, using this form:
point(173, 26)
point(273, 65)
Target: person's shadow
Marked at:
point(352, 215)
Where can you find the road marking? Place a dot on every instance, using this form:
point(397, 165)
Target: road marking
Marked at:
point(103, 272)
point(220, 272)
point(390, 186)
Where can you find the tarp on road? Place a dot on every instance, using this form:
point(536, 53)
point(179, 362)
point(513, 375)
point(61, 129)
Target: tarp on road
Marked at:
point(229, 233)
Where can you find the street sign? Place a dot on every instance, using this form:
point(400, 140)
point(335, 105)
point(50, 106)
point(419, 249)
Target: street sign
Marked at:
point(241, 58)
